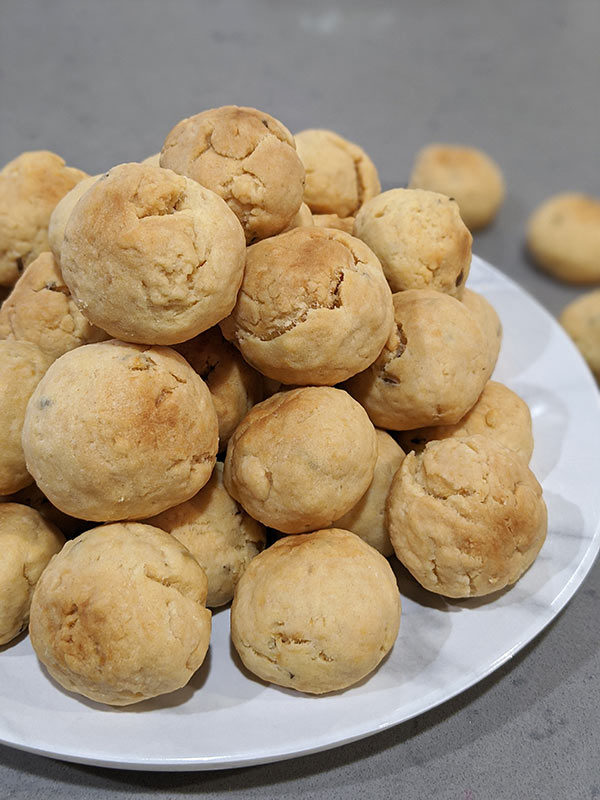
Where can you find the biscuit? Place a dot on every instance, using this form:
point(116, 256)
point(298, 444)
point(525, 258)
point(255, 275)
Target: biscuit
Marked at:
point(420, 239)
point(498, 413)
point(22, 366)
point(248, 158)
point(120, 431)
point(314, 307)
point(30, 187)
point(340, 176)
point(433, 366)
point(40, 310)
point(315, 613)
point(153, 160)
point(581, 320)
point(33, 497)
point(62, 212)
point(301, 459)
point(367, 518)
point(119, 615)
point(345, 224)
point(27, 543)
point(302, 219)
point(172, 255)
point(466, 174)
point(563, 237)
point(466, 516)
point(218, 533)
point(234, 386)
point(490, 324)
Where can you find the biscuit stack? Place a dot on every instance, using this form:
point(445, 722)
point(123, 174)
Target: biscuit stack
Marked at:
point(252, 295)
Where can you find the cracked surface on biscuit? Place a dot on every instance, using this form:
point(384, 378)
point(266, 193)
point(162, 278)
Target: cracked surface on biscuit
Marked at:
point(315, 612)
point(120, 615)
point(466, 516)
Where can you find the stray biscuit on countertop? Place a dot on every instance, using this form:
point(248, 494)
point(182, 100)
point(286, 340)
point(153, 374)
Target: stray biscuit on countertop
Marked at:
point(316, 612)
point(581, 320)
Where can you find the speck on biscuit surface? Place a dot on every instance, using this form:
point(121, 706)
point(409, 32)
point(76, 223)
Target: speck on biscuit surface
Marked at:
point(30, 187)
point(120, 431)
point(301, 459)
point(218, 533)
point(466, 517)
point(433, 366)
point(468, 175)
point(27, 543)
point(40, 310)
point(316, 612)
point(340, 176)
point(314, 307)
point(420, 239)
point(563, 236)
point(119, 615)
point(248, 158)
point(172, 255)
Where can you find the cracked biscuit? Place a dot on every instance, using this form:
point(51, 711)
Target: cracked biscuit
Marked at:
point(22, 366)
point(340, 176)
point(40, 310)
point(248, 158)
point(420, 239)
point(27, 543)
point(218, 533)
point(433, 366)
point(172, 255)
point(367, 518)
point(234, 386)
point(316, 612)
point(466, 174)
point(314, 307)
point(120, 431)
point(466, 516)
point(30, 187)
point(119, 615)
point(498, 413)
point(301, 459)
point(563, 236)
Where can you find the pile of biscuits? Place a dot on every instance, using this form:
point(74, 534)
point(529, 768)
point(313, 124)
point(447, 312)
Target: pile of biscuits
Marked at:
point(237, 371)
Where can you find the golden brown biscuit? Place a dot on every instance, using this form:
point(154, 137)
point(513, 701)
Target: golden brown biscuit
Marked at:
point(62, 212)
point(248, 158)
point(432, 369)
point(316, 612)
point(498, 413)
point(581, 320)
point(314, 307)
point(234, 386)
point(33, 497)
point(172, 255)
point(302, 219)
point(301, 459)
point(340, 176)
point(119, 615)
point(468, 175)
point(563, 236)
point(333, 221)
point(367, 518)
point(488, 319)
point(120, 431)
point(22, 366)
point(30, 187)
point(420, 239)
point(40, 310)
point(218, 533)
point(27, 543)
point(466, 517)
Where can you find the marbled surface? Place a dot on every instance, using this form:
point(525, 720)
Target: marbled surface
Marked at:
point(103, 82)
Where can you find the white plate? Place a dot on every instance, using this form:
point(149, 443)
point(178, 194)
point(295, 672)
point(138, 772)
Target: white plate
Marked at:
point(224, 718)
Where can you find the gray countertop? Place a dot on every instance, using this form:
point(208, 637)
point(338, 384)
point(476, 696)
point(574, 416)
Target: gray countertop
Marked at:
point(102, 83)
